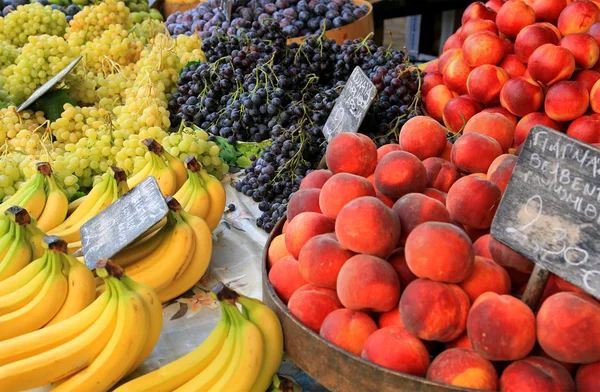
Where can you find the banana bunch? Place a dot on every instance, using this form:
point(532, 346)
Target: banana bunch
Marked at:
point(169, 176)
point(112, 186)
point(242, 354)
point(20, 242)
point(173, 258)
point(48, 290)
point(202, 195)
point(94, 348)
point(43, 196)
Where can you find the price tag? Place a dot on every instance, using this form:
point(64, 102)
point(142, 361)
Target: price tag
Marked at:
point(122, 222)
point(351, 106)
point(226, 6)
point(550, 211)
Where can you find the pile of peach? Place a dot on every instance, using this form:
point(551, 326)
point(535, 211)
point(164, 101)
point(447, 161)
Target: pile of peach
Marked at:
point(534, 61)
point(388, 255)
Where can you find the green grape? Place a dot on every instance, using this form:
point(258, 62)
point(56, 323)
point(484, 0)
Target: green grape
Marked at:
point(93, 20)
point(31, 20)
point(8, 54)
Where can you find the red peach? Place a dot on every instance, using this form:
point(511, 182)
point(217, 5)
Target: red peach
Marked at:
point(547, 10)
point(315, 179)
point(500, 110)
point(389, 202)
point(481, 248)
point(448, 56)
point(553, 28)
point(550, 64)
point(348, 329)
point(277, 250)
point(487, 276)
point(509, 46)
point(472, 233)
point(578, 17)
point(586, 78)
point(385, 149)
point(432, 66)
point(513, 16)
point(455, 41)
point(534, 374)
point(595, 97)
point(304, 200)
point(447, 154)
point(586, 128)
point(594, 31)
point(399, 173)
point(485, 83)
point(483, 48)
point(414, 209)
point(285, 278)
point(458, 111)
point(305, 226)
point(508, 258)
point(436, 100)
point(457, 72)
point(310, 305)
point(461, 342)
point(521, 96)
point(472, 201)
point(353, 153)
point(321, 260)
point(431, 80)
point(398, 261)
point(477, 10)
point(436, 194)
point(583, 47)
point(423, 137)
point(526, 123)
point(331, 200)
point(441, 174)
point(463, 367)
point(476, 25)
point(494, 4)
point(539, 352)
point(474, 153)
point(513, 66)
point(531, 38)
point(563, 285)
point(565, 101)
point(390, 318)
point(501, 169)
point(588, 377)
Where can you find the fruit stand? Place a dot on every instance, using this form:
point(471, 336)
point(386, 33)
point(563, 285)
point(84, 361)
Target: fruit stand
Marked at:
point(254, 196)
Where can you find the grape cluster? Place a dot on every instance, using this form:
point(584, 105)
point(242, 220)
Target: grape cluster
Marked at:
point(295, 17)
point(30, 20)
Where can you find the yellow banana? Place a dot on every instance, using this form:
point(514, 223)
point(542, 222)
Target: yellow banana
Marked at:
point(199, 203)
point(30, 196)
point(4, 224)
point(7, 239)
point(138, 250)
point(120, 352)
point(180, 371)
point(35, 238)
point(142, 174)
point(24, 294)
point(57, 203)
point(165, 176)
point(199, 262)
point(154, 310)
point(217, 367)
point(75, 204)
point(19, 254)
point(270, 327)
point(98, 191)
point(21, 278)
point(178, 168)
point(82, 289)
point(49, 337)
point(217, 199)
point(63, 360)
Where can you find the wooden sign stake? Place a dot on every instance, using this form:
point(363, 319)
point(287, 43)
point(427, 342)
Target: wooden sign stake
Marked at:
point(535, 287)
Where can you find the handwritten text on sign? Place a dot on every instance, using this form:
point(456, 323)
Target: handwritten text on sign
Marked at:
point(122, 222)
point(352, 105)
point(550, 211)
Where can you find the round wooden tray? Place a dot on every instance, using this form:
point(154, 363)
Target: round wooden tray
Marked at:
point(334, 368)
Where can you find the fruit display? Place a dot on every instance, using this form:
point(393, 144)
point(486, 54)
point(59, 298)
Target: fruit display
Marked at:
point(387, 254)
point(242, 353)
point(297, 18)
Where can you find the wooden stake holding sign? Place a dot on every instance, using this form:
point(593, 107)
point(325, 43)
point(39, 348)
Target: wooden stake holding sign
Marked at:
point(550, 211)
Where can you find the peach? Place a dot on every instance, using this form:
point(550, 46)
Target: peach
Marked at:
point(553, 28)
point(447, 154)
point(315, 179)
point(578, 17)
point(398, 261)
point(534, 374)
point(521, 96)
point(423, 137)
point(474, 153)
point(487, 276)
point(501, 169)
point(455, 41)
point(436, 100)
point(482, 48)
point(547, 10)
point(501, 327)
point(477, 10)
point(457, 72)
point(563, 285)
point(321, 259)
point(311, 305)
point(513, 66)
point(435, 194)
point(494, 4)
point(389, 319)
point(304, 200)
point(447, 57)
point(366, 225)
point(583, 47)
point(550, 64)
point(431, 66)
point(472, 233)
point(508, 258)
point(458, 111)
point(500, 110)
point(565, 101)
point(348, 329)
point(513, 16)
point(385, 149)
point(461, 342)
point(439, 251)
point(285, 226)
point(463, 367)
point(509, 46)
point(399, 173)
point(285, 278)
point(305, 226)
point(331, 200)
point(594, 31)
point(527, 122)
point(389, 202)
point(368, 283)
point(586, 78)
point(434, 310)
point(595, 97)
point(277, 250)
point(431, 80)
point(572, 315)
point(481, 248)
point(587, 378)
point(353, 153)
point(531, 38)
point(396, 349)
point(485, 83)
point(586, 128)
point(441, 174)
point(476, 25)
point(414, 209)
point(539, 352)
point(472, 201)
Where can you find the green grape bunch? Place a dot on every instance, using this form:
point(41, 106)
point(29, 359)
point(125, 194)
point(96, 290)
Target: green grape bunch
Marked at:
point(31, 20)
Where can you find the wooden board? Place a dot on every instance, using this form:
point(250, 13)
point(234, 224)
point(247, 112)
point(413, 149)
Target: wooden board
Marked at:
point(550, 211)
point(122, 222)
point(351, 106)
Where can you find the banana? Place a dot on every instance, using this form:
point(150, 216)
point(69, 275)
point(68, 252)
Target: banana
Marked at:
point(49, 337)
point(121, 351)
point(146, 171)
point(156, 167)
point(217, 199)
point(138, 250)
point(57, 204)
point(217, 367)
point(178, 168)
point(192, 196)
point(24, 294)
point(98, 191)
point(35, 238)
point(63, 360)
point(75, 204)
point(82, 289)
point(199, 262)
point(7, 239)
point(180, 371)
point(19, 254)
point(21, 278)
point(31, 196)
point(270, 328)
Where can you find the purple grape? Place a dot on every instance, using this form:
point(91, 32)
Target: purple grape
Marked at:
point(270, 8)
point(282, 4)
point(290, 13)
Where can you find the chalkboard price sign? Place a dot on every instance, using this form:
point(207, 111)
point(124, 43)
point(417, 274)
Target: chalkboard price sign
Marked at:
point(225, 6)
point(122, 222)
point(352, 105)
point(550, 211)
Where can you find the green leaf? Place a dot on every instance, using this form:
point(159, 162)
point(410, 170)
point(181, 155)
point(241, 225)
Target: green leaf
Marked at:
point(52, 103)
point(238, 155)
point(76, 195)
point(4, 104)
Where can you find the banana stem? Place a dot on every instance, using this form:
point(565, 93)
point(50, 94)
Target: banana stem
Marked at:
point(224, 293)
point(44, 168)
point(18, 215)
point(55, 244)
point(105, 268)
point(192, 164)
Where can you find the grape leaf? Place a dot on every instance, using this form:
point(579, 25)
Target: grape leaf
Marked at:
point(76, 195)
point(4, 104)
point(238, 155)
point(52, 103)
